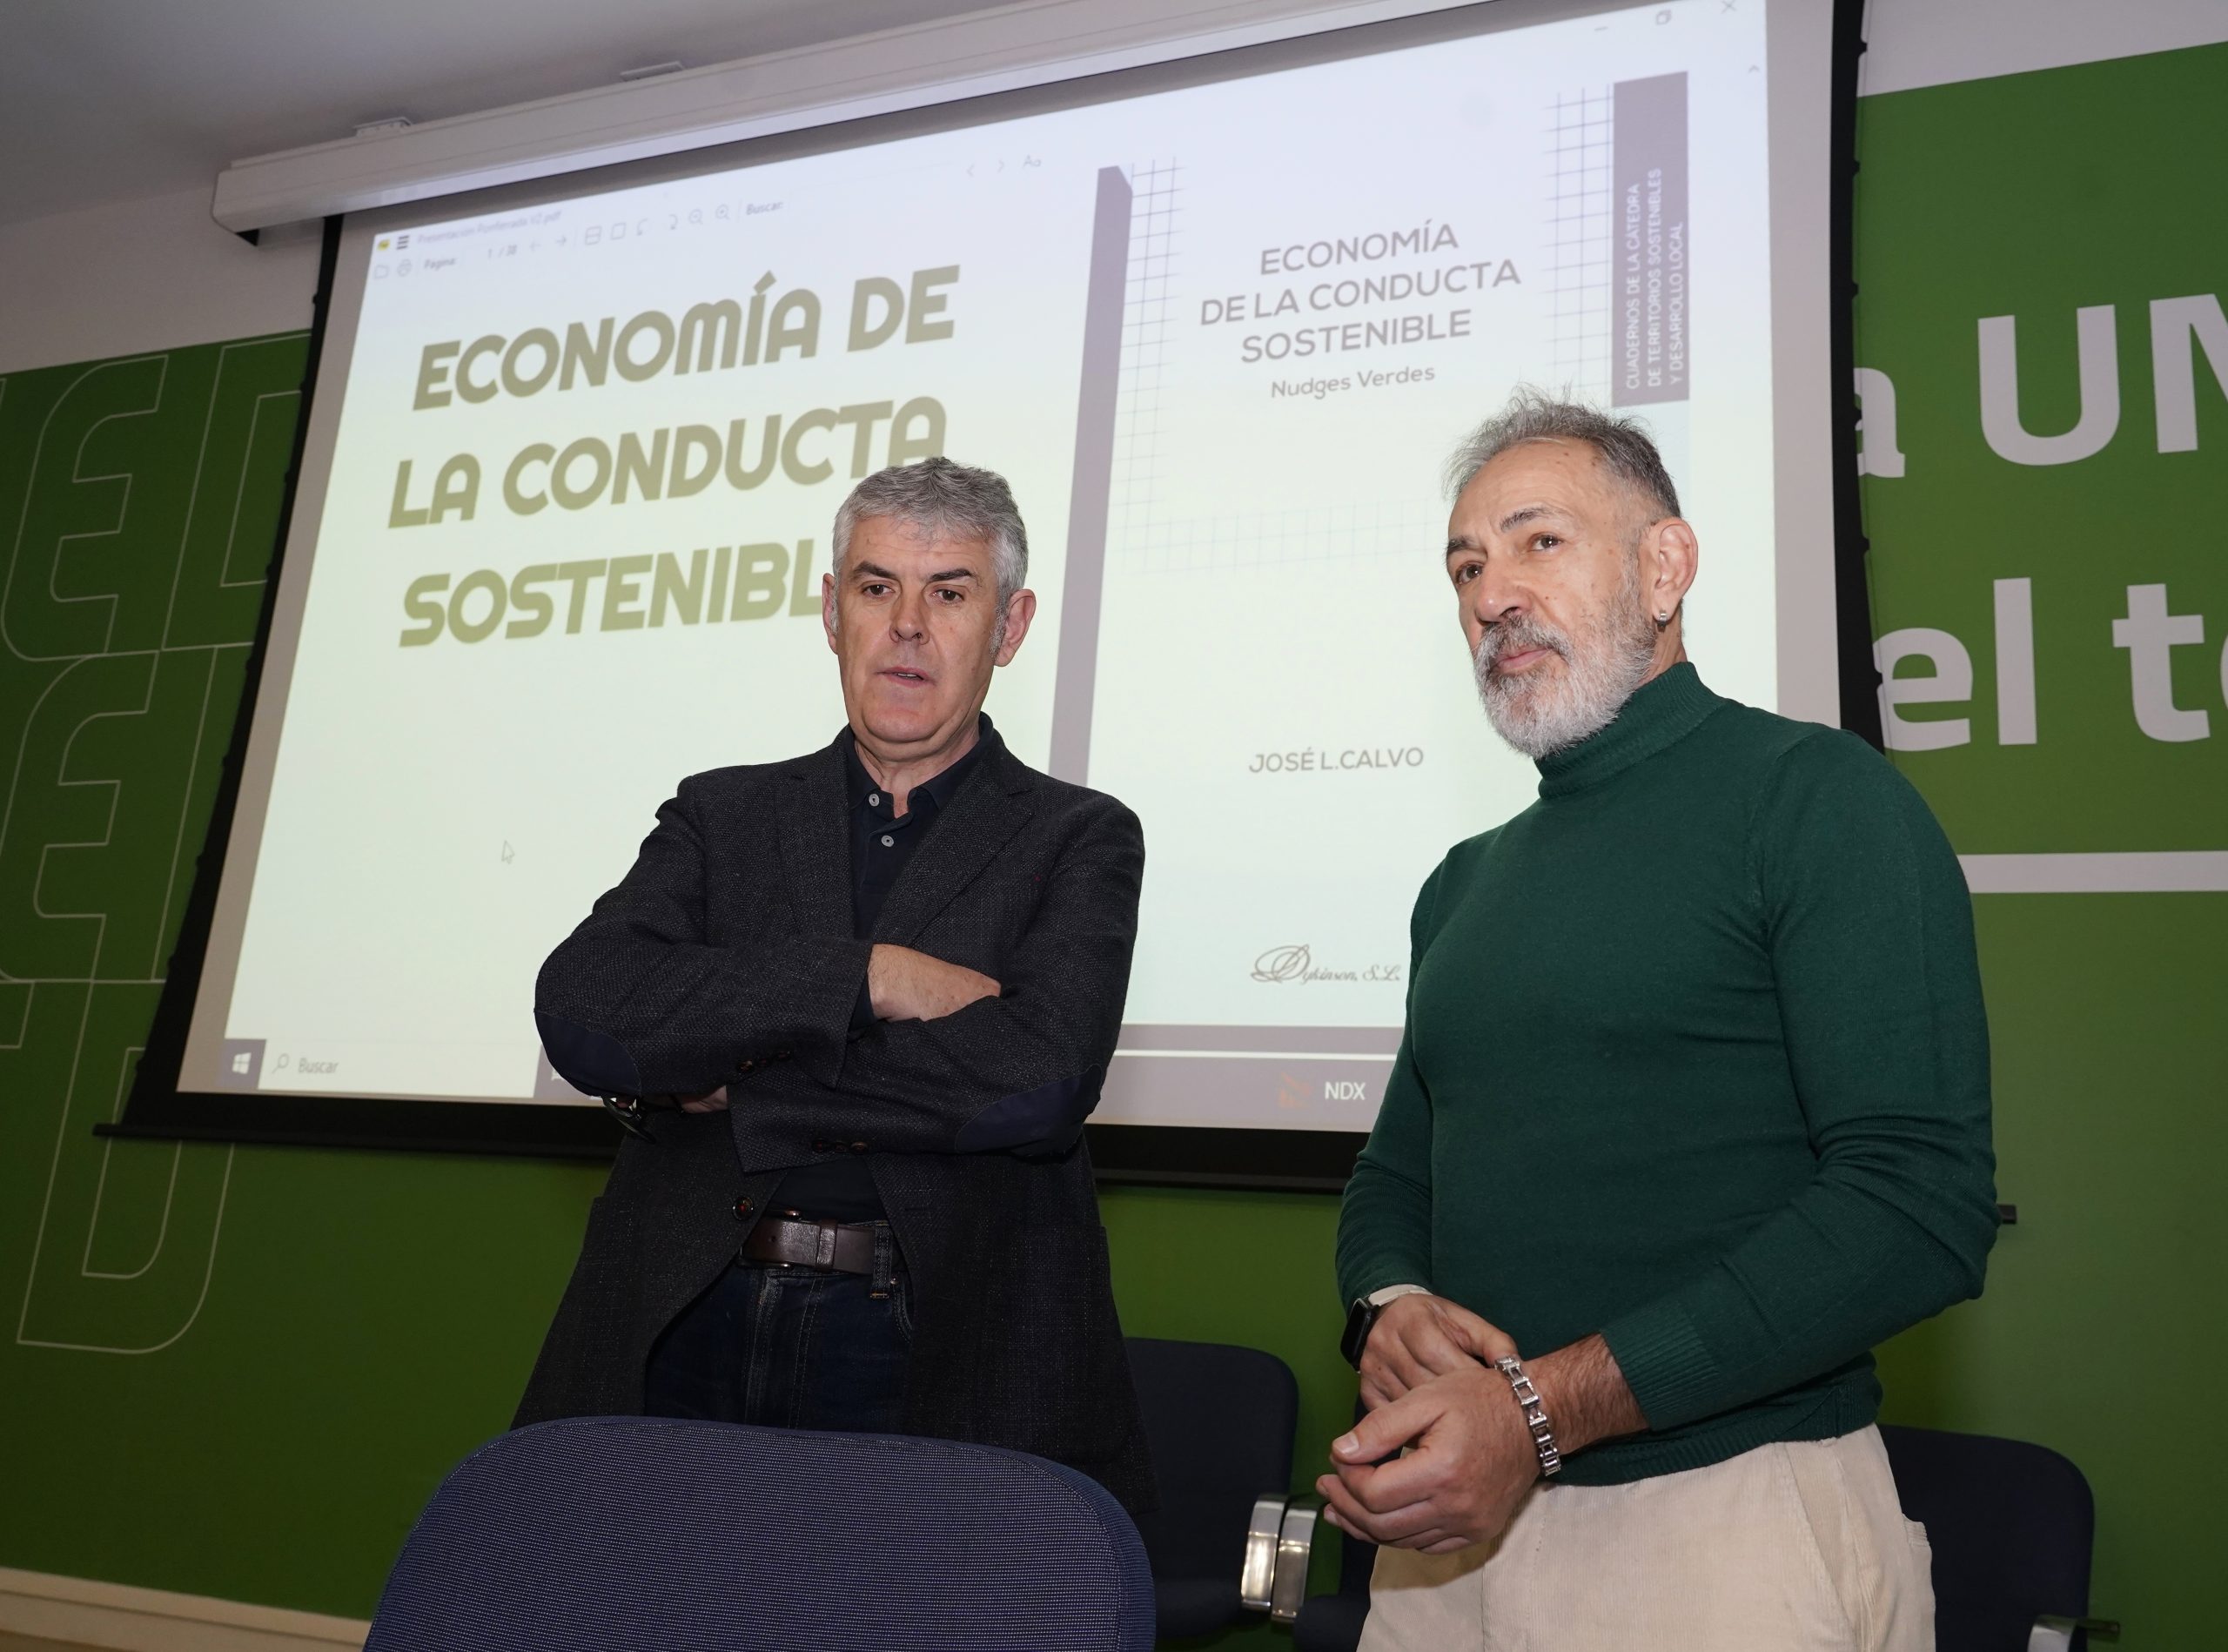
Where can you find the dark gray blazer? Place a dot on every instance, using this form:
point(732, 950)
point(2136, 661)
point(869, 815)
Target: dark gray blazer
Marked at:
point(726, 956)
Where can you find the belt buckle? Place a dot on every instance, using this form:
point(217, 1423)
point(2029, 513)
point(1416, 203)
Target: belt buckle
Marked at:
point(787, 1217)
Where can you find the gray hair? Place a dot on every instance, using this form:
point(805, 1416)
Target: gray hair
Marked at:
point(948, 500)
point(1533, 415)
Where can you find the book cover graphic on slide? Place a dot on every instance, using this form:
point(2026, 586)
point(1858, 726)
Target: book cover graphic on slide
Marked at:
point(1282, 689)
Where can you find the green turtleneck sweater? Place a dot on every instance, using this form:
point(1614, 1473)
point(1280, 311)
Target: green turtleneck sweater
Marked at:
point(1695, 1058)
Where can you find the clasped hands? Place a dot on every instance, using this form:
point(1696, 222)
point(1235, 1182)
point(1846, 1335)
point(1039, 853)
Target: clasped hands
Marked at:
point(1429, 1385)
point(902, 985)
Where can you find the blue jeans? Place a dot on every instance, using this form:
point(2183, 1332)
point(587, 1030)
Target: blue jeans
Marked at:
point(790, 1347)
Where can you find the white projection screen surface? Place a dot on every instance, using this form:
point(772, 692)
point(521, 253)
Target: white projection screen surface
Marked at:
point(575, 448)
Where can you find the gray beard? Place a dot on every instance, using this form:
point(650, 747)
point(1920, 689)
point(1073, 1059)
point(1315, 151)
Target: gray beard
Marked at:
point(1602, 667)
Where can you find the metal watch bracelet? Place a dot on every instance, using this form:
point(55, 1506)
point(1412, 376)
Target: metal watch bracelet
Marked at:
point(1536, 1417)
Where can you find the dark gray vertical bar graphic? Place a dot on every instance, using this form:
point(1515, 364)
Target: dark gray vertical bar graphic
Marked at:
point(1649, 280)
point(1075, 679)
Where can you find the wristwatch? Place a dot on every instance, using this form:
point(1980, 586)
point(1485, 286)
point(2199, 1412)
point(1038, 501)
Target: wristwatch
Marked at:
point(1360, 1318)
point(629, 1111)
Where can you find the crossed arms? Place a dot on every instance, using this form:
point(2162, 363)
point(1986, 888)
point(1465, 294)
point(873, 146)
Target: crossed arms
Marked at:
point(638, 1001)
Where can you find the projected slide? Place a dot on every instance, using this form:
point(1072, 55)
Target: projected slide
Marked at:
point(568, 542)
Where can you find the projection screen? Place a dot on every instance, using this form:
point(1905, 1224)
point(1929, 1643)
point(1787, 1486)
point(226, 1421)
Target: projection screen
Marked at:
point(574, 448)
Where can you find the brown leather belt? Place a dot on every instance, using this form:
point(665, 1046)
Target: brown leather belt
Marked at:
point(840, 1247)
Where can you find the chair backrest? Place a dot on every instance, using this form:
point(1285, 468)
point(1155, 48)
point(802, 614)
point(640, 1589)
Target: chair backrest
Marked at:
point(1220, 1422)
point(593, 1533)
point(2012, 1525)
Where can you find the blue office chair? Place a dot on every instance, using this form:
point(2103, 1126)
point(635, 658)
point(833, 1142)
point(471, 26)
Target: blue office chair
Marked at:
point(595, 1534)
point(2012, 1526)
point(1220, 1422)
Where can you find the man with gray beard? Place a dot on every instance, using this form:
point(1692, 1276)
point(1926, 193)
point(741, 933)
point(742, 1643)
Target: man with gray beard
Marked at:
point(1691, 1111)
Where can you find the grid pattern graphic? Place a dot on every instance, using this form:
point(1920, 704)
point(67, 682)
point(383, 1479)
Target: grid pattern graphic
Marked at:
point(1297, 534)
point(1134, 516)
point(1579, 219)
point(1142, 535)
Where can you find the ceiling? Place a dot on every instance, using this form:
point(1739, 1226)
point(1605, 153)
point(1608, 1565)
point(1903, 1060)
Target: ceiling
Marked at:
point(110, 100)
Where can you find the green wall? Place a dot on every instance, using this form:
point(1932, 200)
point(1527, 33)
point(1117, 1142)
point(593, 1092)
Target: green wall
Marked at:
point(2033, 196)
point(240, 1372)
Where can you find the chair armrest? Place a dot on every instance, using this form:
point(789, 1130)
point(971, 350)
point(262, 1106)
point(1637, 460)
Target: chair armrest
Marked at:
point(1279, 1545)
point(1295, 1549)
point(2054, 1633)
point(1257, 1576)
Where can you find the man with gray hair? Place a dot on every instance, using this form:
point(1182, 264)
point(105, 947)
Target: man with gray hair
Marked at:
point(1691, 1111)
point(853, 1009)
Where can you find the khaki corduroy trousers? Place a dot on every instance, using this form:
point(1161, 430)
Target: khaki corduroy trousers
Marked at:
point(1801, 1547)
